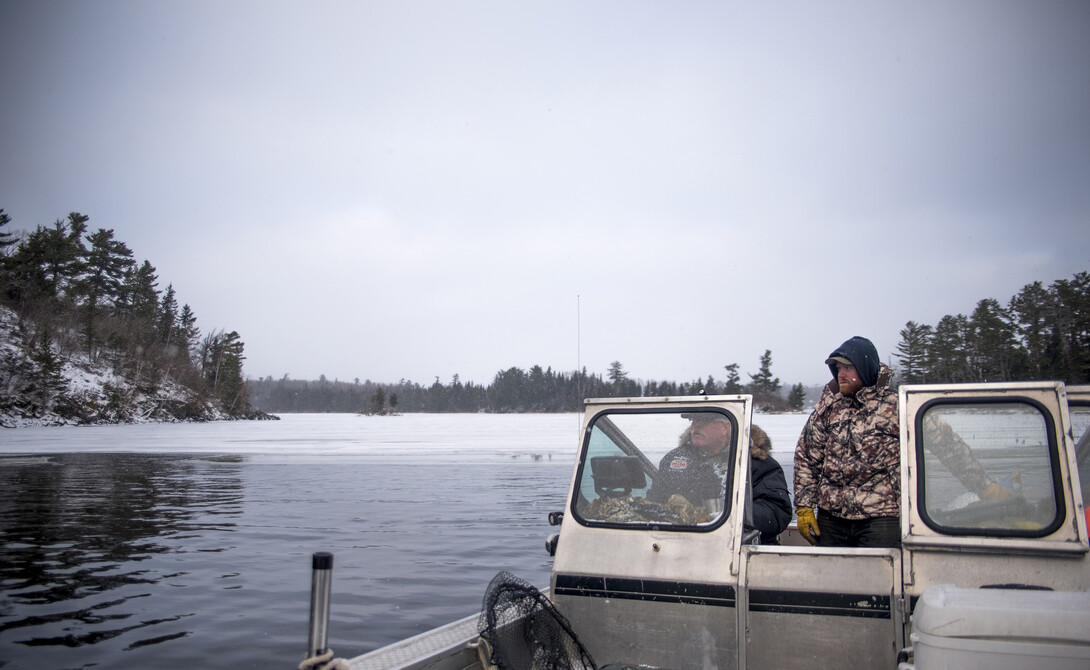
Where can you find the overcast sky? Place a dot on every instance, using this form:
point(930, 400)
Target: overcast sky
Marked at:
point(388, 190)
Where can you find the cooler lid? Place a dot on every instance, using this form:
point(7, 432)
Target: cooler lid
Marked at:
point(945, 610)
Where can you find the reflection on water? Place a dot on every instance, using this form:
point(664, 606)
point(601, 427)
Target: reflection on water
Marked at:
point(172, 562)
point(85, 537)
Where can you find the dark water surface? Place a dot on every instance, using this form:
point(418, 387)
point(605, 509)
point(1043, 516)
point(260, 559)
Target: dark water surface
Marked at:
point(167, 561)
point(184, 546)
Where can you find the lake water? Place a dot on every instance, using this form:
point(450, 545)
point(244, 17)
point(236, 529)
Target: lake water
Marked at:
point(189, 545)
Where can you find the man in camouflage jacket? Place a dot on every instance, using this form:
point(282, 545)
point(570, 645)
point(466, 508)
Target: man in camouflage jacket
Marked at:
point(848, 458)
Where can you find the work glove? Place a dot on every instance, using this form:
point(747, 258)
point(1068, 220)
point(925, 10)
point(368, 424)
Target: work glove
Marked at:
point(995, 492)
point(1003, 489)
point(808, 527)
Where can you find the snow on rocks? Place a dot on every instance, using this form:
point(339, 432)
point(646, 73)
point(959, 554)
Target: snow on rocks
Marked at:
point(84, 392)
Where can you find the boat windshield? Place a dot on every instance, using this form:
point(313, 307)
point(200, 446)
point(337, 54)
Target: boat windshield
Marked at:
point(655, 469)
point(988, 468)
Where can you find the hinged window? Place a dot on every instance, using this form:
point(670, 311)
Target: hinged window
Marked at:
point(657, 469)
point(1080, 424)
point(988, 468)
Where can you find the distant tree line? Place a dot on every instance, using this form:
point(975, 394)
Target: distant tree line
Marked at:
point(512, 390)
point(82, 293)
point(1041, 333)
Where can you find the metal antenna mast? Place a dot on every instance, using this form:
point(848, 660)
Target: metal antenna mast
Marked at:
point(578, 335)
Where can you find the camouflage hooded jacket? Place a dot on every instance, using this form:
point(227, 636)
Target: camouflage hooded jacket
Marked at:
point(848, 458)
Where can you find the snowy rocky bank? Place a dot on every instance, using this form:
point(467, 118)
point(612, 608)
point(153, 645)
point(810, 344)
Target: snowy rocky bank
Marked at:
point(47, 387)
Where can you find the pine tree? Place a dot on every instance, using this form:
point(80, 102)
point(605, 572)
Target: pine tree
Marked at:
point(43, 269)
point(67, 254)
point(763, 383)
point(796, 399)
point(710, 386)
point(104, 269)
point(378, 402)
point(166, 326)
point(537, 389)
point(949, 350)
point(508, 390)
point(617, 373)
point(105, 265)
point(189, 333)
point(26, 283)
point(138, 303)
point(1080, 326)
point(913, 352)
point(47, 381)
point(1070, 314)
point(6, 239)
point(991, 345)
point(733, 384)
point(221, 362)
point(1029, 310)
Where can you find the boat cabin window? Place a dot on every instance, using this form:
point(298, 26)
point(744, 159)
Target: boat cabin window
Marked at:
point(1080, 424)
point(656, 469)
point(988, 468)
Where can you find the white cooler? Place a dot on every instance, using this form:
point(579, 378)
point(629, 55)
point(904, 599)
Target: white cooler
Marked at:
point(997, 629)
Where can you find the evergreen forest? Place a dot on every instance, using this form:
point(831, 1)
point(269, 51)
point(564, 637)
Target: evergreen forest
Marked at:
point(1041, 333)
point(81, 299)
point(512, 390)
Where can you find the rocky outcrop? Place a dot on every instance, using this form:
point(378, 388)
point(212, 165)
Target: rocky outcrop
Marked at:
point(40, 385)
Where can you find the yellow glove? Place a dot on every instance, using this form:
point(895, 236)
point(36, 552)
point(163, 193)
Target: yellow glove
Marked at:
point(995, 492)
point(808, 527)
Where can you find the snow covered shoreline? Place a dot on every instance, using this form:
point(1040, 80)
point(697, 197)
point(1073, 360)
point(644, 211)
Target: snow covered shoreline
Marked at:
point(78, 391)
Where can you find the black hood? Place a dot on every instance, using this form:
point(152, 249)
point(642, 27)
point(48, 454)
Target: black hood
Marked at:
point(861, 352)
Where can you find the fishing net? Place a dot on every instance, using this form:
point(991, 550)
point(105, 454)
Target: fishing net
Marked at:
point(523, 630)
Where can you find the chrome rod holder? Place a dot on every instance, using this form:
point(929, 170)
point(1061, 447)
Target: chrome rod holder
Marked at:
point(320, 585)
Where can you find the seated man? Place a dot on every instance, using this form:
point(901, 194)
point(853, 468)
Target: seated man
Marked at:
point(697, 470)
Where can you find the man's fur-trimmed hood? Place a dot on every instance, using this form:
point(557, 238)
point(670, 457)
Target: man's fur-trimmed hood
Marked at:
point(760, 445)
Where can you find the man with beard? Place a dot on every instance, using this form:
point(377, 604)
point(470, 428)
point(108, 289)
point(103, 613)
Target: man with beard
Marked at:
point(848, 458)
point(698, 467)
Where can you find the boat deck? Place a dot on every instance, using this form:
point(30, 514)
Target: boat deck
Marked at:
point(444, 648)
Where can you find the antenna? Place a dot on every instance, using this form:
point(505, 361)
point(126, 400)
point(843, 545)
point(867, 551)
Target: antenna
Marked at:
point(578, 353)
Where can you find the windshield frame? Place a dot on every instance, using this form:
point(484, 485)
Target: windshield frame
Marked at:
point(578, 502)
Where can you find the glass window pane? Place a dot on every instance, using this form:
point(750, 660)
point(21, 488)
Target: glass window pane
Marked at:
point(987, 469)
point(1080, 423)
point(643, 469)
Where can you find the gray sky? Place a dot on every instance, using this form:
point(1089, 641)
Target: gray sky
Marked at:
point(390, 190)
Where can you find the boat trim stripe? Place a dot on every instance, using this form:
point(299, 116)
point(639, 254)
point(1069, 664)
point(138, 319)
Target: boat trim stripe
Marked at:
point(866, 606)
point(689, 593)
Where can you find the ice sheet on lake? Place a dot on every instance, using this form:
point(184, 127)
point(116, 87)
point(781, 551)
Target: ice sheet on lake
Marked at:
point(442, 437)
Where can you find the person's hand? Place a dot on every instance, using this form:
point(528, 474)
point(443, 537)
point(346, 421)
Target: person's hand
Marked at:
point(808, 527)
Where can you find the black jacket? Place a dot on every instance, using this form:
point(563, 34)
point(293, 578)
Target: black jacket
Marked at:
point(771, 501)
point(687, 472)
